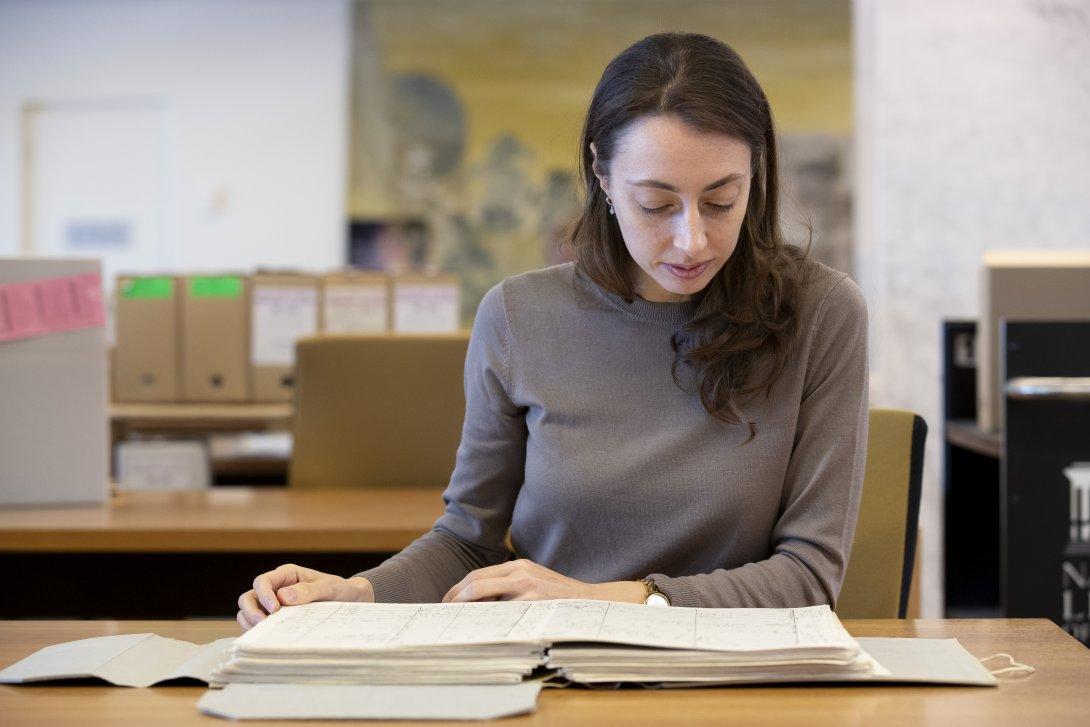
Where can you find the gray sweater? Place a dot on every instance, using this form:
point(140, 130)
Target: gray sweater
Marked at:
point(577, 439)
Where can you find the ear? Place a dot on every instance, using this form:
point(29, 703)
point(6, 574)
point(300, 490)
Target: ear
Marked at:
point(597, 169)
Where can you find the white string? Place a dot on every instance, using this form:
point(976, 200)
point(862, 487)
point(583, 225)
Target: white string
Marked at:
point(1014, 668)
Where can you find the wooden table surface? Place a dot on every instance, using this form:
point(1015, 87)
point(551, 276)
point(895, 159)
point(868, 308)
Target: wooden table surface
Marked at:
point(227, 519)
point(1056, 695)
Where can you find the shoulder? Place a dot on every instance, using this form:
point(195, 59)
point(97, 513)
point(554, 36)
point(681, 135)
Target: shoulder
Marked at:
point(828, 297)
point(541, 285)
point(520, 296)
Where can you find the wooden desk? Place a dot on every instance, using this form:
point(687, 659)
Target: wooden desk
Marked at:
point(1054, 696)
point(226, 519)
point(139, 555)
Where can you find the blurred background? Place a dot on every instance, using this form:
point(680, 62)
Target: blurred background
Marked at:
point(438, 139)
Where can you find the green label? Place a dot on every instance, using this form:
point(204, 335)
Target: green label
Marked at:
point(221, 286)
point(147, 288)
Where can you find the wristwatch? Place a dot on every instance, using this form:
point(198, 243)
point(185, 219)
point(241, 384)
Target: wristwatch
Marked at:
point(655, 596)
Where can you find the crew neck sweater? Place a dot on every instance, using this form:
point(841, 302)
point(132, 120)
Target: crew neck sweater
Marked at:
point(579, 441)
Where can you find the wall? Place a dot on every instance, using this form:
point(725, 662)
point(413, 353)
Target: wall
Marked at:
point(972, 133)
point(256, 99)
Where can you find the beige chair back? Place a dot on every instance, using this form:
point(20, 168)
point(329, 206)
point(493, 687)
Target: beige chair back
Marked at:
point(377, 411)
point(879, 574)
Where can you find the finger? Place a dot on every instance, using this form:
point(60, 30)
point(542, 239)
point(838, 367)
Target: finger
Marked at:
point(250, 608)
point(266, 585)
point(491, 589)
point(243, 621)
point(492, 571)
point(298, 593)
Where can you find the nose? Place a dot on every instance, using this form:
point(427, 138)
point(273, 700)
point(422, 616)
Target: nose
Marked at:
point(690, 237)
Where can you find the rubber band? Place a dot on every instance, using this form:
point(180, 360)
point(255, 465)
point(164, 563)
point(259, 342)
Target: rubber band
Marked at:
point(1014, 668)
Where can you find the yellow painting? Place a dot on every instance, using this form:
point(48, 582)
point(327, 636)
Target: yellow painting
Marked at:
point(466, 113)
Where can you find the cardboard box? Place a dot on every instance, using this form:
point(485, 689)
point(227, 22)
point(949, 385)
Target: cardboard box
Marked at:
point(163, 465)
point(54, 430)
point(214, 342)
point(284, 308)
point(426, 304)
point(145, 362)
point(1025, 285)
point(355, 302)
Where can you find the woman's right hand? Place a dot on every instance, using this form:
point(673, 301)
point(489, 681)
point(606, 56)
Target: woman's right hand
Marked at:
point(291, 585)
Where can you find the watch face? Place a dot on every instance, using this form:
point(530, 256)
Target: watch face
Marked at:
point(657, 599)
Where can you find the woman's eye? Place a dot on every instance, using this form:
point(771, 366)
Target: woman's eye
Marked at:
point(719, 209)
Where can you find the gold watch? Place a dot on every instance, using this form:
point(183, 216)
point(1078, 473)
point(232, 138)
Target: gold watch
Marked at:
point(655, 596)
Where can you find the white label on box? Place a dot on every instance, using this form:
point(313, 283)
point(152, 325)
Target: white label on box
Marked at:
point(355, 309)
point(281, 316)
point(426, 307)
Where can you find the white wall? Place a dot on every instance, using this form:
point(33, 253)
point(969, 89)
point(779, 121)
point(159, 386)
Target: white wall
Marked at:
point(972, 133)
point(256, 99)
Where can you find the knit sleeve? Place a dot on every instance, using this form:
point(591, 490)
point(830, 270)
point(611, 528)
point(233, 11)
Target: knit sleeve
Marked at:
point(488, 472)
point(812, 538)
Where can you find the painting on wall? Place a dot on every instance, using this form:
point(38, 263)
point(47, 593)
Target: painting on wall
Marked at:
point(466, 118)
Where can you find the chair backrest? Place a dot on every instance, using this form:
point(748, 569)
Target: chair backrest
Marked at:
point(377, 411)
point(879, 572)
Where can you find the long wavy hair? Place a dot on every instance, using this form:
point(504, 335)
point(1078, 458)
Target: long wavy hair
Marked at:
point(740, 339)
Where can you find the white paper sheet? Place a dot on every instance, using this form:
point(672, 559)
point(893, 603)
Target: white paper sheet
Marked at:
point(128, 660)
point(321, 701)
point(281, 316)
point(354, 308)
point(426, 307)
point(938, 661)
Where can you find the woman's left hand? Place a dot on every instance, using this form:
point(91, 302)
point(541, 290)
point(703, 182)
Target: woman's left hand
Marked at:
point(525, 580)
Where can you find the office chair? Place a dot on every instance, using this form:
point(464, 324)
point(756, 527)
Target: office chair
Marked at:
point(879, 574)
point(377, 411)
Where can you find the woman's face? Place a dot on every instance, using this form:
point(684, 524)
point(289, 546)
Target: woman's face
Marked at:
point(680, 197)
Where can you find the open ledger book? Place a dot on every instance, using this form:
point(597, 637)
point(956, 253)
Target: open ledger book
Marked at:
point(570, 640)
point(501, 643)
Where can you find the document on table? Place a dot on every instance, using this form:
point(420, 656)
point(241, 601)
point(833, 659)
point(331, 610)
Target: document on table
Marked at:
point(932, 661)
point(333, 627)
point(591, 642)
point(128, 660)
point(338, 701)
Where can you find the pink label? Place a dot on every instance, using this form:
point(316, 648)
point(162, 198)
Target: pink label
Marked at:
point(51, 305)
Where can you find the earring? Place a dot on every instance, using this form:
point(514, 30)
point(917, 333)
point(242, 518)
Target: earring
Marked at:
point(610, 202)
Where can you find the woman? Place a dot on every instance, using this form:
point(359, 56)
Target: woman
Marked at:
point(680, 416)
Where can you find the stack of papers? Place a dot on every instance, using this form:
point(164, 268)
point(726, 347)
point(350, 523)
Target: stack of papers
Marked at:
point(367, 643)
point(581, 640)
point(717, 646)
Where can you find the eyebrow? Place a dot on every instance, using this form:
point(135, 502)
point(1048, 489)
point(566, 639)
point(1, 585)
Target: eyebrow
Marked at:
point(663, 185)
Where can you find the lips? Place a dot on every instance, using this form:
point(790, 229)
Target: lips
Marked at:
point(687, 272)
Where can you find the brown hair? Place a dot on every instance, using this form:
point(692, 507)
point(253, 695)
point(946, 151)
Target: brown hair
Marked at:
point(740, 338)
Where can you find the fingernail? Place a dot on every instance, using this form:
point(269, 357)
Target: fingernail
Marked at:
point(288, 595)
